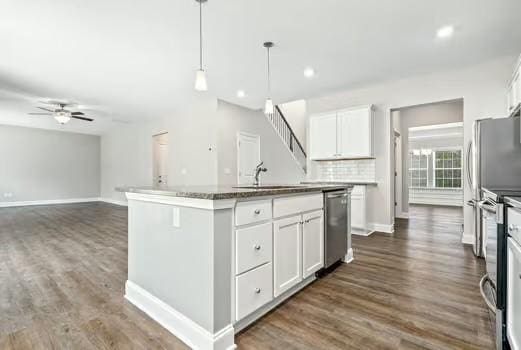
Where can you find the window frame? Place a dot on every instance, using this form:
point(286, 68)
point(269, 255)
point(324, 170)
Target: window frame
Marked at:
point(431, 175)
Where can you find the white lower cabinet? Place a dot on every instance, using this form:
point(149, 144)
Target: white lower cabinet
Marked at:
point(286, 253)
point(253, 289)
point(312, 243)
point(278, 253)
point(359, 208)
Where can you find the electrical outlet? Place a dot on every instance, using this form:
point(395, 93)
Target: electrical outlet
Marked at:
point(183, 171)
point(8, 195)
point(227, 171)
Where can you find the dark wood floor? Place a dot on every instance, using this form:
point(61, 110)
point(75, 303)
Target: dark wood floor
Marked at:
point(63, 269)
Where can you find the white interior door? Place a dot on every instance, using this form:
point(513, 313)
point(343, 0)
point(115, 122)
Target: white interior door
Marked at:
point(248, 157)
point(160, 155)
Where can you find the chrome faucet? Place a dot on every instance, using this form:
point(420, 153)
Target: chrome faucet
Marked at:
point(258, 170)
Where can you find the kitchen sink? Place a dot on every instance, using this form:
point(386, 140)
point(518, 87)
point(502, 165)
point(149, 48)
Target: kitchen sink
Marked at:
point(268, 187)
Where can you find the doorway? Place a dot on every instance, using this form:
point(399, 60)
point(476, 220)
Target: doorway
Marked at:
point(160, 159)
point(248, 157)
point(431, 146)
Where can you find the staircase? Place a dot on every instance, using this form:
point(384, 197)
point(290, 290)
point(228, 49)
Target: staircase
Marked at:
point(287, 135)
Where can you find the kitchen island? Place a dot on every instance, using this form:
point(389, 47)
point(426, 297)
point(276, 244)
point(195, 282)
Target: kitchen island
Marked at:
point(205, 262)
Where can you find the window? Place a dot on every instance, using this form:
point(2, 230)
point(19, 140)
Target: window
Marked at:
point(448, 169)
point(435, 169)
point(418, 169)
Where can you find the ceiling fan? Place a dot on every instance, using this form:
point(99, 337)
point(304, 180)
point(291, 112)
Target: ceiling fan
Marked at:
point(61, 114)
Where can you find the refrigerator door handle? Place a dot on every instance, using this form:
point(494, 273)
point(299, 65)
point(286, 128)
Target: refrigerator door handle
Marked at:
point(469, 168)
point(485, 279)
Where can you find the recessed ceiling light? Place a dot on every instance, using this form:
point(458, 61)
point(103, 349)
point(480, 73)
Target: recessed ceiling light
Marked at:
point(241, 93)
point(445, 32)
point(309, 72)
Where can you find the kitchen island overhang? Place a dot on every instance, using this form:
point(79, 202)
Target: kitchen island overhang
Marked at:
point(182, 256)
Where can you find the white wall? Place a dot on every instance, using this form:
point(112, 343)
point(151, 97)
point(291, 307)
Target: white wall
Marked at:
point(483, 88)
point(231, 119)
point(126, 153)
point(43, 165)
point(295, 114)
point(201, 149)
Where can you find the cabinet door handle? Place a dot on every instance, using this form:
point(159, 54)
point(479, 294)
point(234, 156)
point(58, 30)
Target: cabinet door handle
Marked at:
point(307, 221)
point(257, 247)
point(257, 211)
point(257, 290)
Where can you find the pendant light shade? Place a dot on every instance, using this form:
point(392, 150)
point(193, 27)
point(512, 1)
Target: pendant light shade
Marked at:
point(200, 80)
point(268, 107)
point(200, 75)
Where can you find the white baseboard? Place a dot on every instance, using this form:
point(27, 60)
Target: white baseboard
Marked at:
point(178, 324)
point(382, 227)
point(361, 232)
point(115, 201)
point(48, 202)
point(349, 256)
point(402, 215)
point(467, 239)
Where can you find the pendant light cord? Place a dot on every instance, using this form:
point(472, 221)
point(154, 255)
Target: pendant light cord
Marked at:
point(269, 80)
point(200, 35)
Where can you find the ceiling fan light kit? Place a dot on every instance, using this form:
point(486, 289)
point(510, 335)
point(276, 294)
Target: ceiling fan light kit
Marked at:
point(62, 117)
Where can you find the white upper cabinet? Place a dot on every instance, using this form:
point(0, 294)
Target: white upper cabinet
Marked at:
point(322, 133)
point(355, 133)
point(343, 134)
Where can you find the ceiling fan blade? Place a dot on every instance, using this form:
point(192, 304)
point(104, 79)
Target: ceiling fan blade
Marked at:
point(82, 118)
point(77, 113)
point(45, 109)
point(39, 113)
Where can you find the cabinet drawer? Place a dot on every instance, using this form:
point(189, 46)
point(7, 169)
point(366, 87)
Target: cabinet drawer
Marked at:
point(254, 211)
point(253, 289)
point(253, 247)
point(298, 204)
point(514, 223)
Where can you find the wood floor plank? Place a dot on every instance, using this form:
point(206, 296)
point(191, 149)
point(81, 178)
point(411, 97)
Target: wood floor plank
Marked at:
point(63, 269)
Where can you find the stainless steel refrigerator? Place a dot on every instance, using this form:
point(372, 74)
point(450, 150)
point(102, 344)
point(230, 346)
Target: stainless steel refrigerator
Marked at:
point(493, 162)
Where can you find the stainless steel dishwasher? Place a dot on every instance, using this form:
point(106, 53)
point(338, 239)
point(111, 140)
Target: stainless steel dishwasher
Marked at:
point(336, 204)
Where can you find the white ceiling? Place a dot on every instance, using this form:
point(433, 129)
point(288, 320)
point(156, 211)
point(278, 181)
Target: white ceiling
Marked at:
point(136, 59)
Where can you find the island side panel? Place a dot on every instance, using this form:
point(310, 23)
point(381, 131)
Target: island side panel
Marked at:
point(173, 263)
point(223, 228)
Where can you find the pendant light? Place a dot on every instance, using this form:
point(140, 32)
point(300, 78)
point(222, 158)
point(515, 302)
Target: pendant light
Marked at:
point(200, 75)
point(268, 107)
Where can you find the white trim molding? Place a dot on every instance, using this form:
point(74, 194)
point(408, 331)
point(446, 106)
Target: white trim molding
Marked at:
point(349, 256)
point(115, 201)
point(382, 228)
point(467, 239)
point(48, 202)
point(178, 324)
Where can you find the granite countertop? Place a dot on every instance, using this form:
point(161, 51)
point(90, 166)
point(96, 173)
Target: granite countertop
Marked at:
point(332, 182)
point(229, 192)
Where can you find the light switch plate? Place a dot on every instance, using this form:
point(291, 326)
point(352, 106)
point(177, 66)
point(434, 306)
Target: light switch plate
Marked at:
point(176, 217)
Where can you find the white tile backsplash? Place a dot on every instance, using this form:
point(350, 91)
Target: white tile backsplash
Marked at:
point(347, 170)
